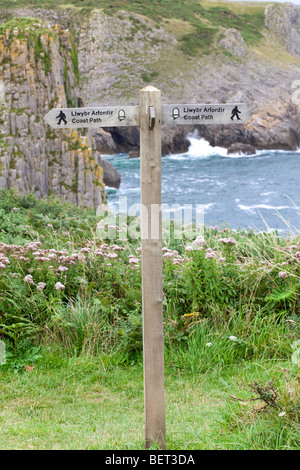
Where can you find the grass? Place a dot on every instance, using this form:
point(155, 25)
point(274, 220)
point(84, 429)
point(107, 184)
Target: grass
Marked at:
point(198, 22)
point(71, 321)
point(85, 403)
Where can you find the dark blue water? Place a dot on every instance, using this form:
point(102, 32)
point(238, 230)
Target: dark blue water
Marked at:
point(259, 191)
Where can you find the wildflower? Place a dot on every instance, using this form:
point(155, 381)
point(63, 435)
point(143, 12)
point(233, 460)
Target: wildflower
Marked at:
point(2, 265)
point(208, 345)
point(199, 241)
point(21, 258)
point(41, 286)
point(233, 338)
point(4, 259)
point(85, 250)
point(112, 255)
point(228, 241)
point(99, 252)
point(297, 255)
point(62, 268)
point(117, 248)
point(189, 248)
point(210, 253)
point(30, 270)
point(28, 279)
point(168, 255)
point(32, 246)
point(283, 274)
point(81, 258)
point(59, 286)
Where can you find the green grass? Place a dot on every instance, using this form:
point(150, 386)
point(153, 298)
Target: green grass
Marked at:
point(71, 321)
point(206, 21)
point(30, 30)
point(87, 403)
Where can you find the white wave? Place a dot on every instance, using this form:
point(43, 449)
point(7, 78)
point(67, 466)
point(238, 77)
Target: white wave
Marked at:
point(261, 206)
point(267, 193)
point(201, 148)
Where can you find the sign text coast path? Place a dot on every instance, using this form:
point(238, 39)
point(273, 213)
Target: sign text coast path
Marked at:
point(109, 116)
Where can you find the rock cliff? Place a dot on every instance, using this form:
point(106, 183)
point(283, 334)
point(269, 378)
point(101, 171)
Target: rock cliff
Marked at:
point(37, 73)
point(73, 56)
point(119, 54)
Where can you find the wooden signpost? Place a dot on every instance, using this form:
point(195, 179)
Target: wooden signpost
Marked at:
point(150, 115)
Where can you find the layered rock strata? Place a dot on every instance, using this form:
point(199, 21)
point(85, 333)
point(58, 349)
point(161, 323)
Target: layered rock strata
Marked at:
point(37, 74)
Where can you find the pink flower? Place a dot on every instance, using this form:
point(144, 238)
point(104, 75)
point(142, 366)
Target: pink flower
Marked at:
point(85, 250)
point(283, 274)
point(112, 255)
point(28, 279)
point(228, 241)
point(117, 248)
point(62, 268)
point(59, 286)
point(169, 254)
point(210, 253)
point(41, 286)
point(199, 241)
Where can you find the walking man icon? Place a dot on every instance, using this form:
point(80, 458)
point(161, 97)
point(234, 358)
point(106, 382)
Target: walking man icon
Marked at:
point(61, 117)
point(235, 113)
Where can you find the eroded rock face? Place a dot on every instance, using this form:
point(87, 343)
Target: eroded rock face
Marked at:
point(233, 43)
point(116, 56)
point(241, 148)
point(113, 65)
point(284, 21)
point(36, 75)
point(111, 177)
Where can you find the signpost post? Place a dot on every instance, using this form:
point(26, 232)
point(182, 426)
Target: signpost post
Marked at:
point(150, 115)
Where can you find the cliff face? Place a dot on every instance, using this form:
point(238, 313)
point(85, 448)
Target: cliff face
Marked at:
point(219, 55)
point(38, 73)
point(118, 55)
point(284, 21)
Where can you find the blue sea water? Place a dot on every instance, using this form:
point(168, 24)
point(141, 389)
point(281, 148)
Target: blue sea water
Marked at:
point(258, 191)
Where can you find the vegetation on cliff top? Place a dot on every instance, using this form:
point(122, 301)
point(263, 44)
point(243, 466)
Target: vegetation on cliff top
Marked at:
point(205, 20)
point(61, 278)
point(71, 307)
point(30, 30)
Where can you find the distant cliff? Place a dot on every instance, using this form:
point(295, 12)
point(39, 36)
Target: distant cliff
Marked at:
point(38, 72)
point(251, 57)
point(193, 52)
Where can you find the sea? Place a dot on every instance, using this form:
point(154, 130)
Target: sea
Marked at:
point(259, 192)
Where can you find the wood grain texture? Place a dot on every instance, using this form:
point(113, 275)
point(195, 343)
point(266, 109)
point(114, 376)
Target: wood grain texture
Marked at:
point(153, 343)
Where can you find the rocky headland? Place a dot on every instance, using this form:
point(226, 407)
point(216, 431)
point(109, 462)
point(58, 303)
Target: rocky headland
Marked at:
point(71, 56)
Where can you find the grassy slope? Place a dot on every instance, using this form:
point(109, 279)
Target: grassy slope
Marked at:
point(196, 23)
